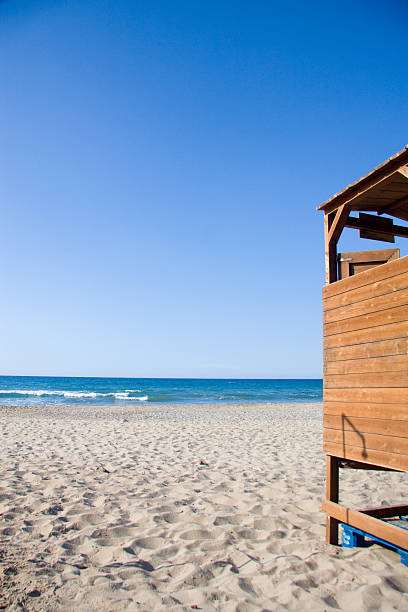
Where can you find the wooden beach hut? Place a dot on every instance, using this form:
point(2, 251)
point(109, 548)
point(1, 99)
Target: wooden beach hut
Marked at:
point(365, 328)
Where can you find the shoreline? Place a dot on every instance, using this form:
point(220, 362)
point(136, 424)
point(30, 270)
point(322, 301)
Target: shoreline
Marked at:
point(180, 507)
point(165, 406)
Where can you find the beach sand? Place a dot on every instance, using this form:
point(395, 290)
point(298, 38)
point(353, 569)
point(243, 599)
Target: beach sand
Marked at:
point(200, 507)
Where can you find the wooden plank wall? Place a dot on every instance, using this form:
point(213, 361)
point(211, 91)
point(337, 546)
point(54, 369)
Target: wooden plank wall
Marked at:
point(365, 328)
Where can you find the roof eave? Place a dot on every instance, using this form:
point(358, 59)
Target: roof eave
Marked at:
point(365, 182)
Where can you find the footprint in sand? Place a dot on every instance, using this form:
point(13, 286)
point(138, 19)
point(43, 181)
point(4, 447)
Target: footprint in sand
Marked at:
point(199, 534)
point(230, 519)
point(250, 534)
point(9, 531)
point(168, 517)
point(265, 524)
point(151, 543)
point(121, 532)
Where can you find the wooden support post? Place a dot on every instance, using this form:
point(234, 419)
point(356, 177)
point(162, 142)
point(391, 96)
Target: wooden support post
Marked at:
point(333, 226)
point(330, 251)
point(333, 273)
point(332, 494)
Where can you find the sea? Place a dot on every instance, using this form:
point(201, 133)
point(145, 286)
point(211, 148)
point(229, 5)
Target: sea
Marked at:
point(59, 390)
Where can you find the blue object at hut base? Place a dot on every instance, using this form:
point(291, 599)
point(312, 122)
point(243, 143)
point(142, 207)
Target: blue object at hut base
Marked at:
point(352, 537)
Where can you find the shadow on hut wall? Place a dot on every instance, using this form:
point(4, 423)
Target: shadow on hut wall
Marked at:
point(345, 419)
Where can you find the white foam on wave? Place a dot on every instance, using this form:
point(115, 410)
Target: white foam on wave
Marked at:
point(122, 395)
point(79, 394)
point(28, 392)
point(144, 398)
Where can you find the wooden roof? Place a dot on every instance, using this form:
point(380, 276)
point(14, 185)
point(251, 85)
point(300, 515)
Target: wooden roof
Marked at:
point(383, 190)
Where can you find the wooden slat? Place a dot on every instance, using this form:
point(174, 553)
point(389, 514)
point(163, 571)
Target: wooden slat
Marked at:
point(390, 533)
point(370, 396)
point(392, 268)
point(361, 336)
point(376, 457)
point(377, 304)
point(369, 379)
point(358, 268)
point(372, 364)
point(395, 206)
point(383, 348)
point(373, 290)
point(388, 444)
point(382, 427)
point(397, 412)
point(367, 321)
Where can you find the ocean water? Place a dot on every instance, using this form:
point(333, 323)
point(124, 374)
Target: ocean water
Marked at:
point(47, 391)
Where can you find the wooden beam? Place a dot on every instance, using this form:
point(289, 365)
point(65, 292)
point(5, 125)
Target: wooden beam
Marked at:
point(337, 224)
point(387, 512)
point(332, 494)
point(367, 224)
point(360, 520)
point(383, 224)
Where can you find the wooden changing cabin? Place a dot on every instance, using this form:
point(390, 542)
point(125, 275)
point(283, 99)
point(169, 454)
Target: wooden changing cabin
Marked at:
point(365, 328)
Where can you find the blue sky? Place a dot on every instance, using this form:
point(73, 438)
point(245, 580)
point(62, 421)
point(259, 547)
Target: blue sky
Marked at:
point(160, 167)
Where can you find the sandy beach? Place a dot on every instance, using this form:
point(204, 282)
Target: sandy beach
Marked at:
point(188, 507)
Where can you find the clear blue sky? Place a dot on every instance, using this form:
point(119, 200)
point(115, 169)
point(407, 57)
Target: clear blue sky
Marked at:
point(160, 167)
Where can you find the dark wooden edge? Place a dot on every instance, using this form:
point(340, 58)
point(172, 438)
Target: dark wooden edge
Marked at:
point(358, 465)
point(387, 512)
point(332, 493)
point(365, 522)
point(373, 224)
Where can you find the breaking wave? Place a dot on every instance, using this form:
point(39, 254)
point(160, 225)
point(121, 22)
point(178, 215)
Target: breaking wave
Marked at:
point(120, 395)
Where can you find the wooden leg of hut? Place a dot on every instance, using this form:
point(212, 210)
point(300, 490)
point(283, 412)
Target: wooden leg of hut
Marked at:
point(332, 494)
